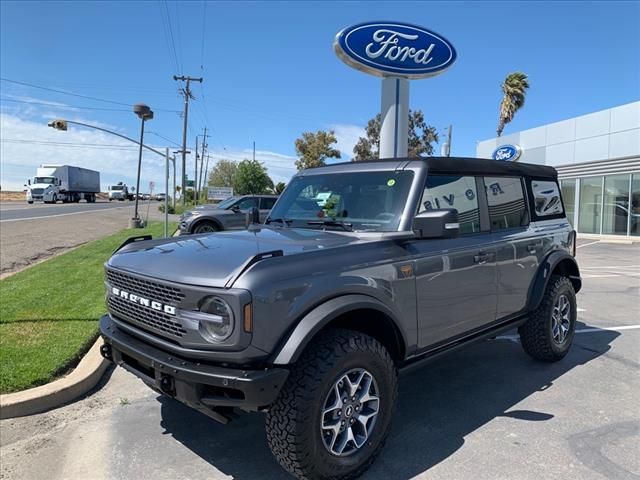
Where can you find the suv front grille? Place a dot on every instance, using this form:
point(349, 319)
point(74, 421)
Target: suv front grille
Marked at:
point(145, 317)
point(156, 291)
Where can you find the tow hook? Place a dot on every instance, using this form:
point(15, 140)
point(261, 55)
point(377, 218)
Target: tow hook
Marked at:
point(167, 385)
point(105, 351)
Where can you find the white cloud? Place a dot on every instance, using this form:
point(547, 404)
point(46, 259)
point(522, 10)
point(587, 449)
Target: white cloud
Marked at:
point(25, 144)
point(347, 136)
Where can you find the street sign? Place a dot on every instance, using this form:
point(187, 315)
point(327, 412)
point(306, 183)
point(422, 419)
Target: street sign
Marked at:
point(219, 193)
point(151, 186)
point(507, 153)
point(394, 49)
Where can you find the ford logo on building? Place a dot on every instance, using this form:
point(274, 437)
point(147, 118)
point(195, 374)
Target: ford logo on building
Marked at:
point(394, 49)
point(507, 153)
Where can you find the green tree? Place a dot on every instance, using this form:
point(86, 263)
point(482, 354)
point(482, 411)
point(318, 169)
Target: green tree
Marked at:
point(223, 174)
point(279, 188)
point(252, 177)
point(514, 90)
point(421, 138)
point(314, 148)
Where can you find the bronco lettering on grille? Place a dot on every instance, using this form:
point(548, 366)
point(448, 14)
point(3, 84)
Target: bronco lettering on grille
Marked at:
point(145, 302)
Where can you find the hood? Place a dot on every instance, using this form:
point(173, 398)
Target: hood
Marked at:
point(211, 260)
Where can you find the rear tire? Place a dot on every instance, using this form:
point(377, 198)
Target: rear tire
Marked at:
point(548, 333)
point(315, 429)
point(30, 203)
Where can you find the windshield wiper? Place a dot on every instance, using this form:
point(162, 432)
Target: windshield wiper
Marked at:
point(333, 223)
point(283, 221)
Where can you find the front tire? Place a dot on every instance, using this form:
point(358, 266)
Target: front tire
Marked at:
point(548, 333)
point(333, 414)
point(205, 226)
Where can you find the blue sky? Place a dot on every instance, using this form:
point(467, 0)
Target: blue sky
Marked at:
point(270, 73)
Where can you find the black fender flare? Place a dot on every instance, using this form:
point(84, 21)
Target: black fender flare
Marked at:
point(560, 260)
point(322, 315)
point(213, 220)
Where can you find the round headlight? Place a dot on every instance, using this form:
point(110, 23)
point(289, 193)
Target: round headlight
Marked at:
point(220, 322)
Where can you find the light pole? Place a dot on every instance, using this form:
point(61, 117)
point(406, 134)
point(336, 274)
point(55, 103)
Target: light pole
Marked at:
point(144, 113)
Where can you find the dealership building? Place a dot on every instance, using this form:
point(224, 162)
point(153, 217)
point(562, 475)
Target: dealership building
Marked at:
point(598, 161)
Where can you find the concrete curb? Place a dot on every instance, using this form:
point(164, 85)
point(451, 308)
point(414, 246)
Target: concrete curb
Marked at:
point(35, 400)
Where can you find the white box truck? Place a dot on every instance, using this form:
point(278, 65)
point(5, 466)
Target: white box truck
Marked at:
point(120, 192)
point(64, 183)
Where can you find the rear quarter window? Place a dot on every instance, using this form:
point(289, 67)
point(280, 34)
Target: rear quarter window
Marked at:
point(546, 198)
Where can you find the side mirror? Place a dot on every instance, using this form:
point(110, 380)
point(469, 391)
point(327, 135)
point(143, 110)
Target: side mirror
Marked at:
point(29, 182)
point(437, 224)
point(235, 208)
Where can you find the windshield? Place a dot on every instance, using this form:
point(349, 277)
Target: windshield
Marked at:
point(226, 203)
point(117, 187)
point(365, 201)
point(48, 180)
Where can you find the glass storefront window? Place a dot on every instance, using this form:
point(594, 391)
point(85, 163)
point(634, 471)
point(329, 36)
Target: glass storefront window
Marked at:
point(568, 188)
point(590, 205)
point(615, 211)
point(635, 206)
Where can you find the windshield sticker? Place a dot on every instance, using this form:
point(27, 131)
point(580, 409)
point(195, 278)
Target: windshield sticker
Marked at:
point(391, 182)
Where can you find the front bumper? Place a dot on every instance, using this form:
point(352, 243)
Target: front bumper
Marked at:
point(199, 385)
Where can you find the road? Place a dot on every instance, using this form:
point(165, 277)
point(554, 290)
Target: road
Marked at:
point(32, 233)
point(488, 412)
point(12, 211)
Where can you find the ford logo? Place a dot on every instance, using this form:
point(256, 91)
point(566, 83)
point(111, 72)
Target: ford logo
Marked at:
point(507, 153)
point(394, 49)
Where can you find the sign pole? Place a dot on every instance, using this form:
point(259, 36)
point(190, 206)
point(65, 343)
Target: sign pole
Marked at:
point(394, 123)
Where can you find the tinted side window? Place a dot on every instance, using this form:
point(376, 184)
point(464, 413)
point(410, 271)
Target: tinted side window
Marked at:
point(505, 198)
point(444, 191)
point(267, 203)
point(546, 198)
point(246, 203)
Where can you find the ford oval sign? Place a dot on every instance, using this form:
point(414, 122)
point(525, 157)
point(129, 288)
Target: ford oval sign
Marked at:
point(508, 153)
point(394, 49)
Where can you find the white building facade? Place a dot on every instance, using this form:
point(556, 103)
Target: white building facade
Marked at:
point(598, 161)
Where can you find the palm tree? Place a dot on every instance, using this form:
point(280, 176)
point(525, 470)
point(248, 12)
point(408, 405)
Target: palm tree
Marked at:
point(514, 90)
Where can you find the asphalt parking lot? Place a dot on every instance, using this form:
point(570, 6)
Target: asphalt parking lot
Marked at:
point(488, 412)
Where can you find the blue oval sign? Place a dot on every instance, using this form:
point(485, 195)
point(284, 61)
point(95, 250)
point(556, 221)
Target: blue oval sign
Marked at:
point(394, 49)
point(507, 153)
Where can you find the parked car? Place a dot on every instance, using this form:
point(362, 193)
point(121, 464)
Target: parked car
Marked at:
point(160, 197)
point(230, 214)
point(311, 316)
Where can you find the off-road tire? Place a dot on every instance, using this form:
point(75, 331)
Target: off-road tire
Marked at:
point(536, 334)
point(293, 421)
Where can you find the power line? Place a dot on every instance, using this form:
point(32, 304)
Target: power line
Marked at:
point(68, 144)
point(173, 43)
point(79, 95)
point(54, 105)
point(165, 138)
point(165, 29)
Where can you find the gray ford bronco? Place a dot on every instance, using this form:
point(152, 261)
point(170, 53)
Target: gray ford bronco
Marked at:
point(361, 270)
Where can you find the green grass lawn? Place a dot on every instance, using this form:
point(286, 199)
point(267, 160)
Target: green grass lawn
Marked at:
point(49, 312)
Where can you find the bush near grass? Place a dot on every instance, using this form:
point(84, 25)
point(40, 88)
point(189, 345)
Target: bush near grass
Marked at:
point(49, 313)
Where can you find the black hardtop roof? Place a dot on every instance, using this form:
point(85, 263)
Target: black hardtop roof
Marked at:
point(449, 165)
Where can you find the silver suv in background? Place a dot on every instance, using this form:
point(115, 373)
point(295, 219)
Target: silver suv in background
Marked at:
point(230, 214)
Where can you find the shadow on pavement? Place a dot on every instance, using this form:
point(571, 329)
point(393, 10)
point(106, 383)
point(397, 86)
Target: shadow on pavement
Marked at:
point(438, 406)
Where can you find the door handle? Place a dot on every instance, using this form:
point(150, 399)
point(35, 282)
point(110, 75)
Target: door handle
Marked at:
point(481, 258)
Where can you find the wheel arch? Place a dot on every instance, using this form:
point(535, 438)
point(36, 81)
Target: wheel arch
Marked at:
point(556, 263)
point(355, 312)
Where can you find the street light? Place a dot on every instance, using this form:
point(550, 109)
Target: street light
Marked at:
point(62, 124)
point(144, 113)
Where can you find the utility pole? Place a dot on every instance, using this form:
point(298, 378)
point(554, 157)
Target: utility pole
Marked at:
point(445, 150)
point(195, 178)
point(254, 150)
point(186, 92)
point(204, 146)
